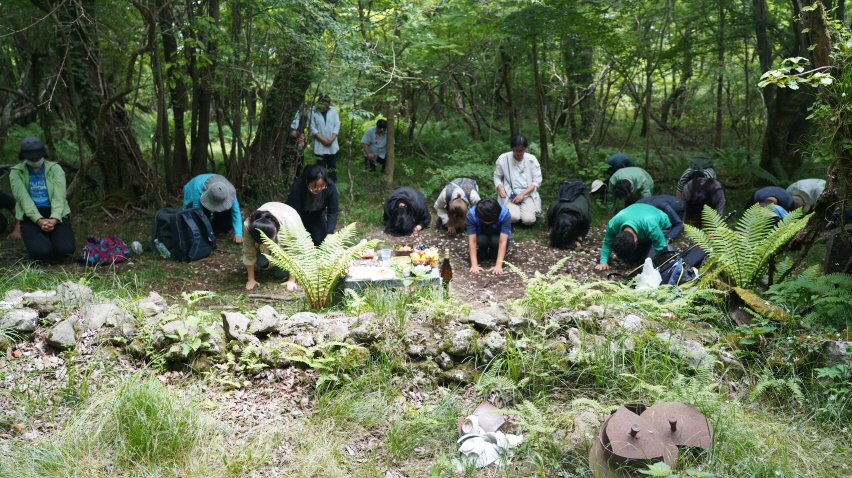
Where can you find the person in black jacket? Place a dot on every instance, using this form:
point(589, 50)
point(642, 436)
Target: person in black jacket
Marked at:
point(700, 192)
point(405, 212)
point(314, 196)
point(570, 215)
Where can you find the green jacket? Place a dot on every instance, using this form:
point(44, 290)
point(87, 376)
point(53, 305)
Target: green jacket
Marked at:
point(54, 176)
point(643, 185)
point(646, 220)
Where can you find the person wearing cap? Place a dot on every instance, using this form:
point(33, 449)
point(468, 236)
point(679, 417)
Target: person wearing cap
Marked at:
point(268, 219)
point(636, 232)
point(617, 161)
point(629, 184)
point(217, 196)
point(38, 187)
point(700, 166)
point(517, 177)
point(314, 197)
point(325, 125)
point(805, 193)
point(375, 141)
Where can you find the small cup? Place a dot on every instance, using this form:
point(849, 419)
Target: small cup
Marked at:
point(385, 256)
point(470, 425)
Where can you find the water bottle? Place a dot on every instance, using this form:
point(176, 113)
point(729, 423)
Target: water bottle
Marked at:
point(136, 247)
point(162, 249)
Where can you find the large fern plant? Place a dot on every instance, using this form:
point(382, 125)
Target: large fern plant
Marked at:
point(743, 254)
point(316, 268)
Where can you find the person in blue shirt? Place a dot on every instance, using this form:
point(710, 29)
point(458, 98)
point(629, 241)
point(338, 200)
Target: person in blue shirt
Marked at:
point(216, 196)
point(489, 234)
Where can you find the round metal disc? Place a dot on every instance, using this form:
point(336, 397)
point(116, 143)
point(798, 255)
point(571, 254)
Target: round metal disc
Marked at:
point(691, 426)
point(632, 437)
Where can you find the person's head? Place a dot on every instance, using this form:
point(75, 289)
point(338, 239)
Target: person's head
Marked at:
point(457, 213)
point(402, 218)
point(519, 145)
point(488, 211)
point(218, 194)
point(798, 200)
point(315, 179)
point(771, 200)
point(325, 102)
point(624, 244)
point(564, 232)
point(623, 188)
point(265, 222)
point(381, 126)
point(33, 152)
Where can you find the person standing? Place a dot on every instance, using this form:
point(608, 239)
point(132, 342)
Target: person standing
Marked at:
point(375, 141)
point(489, 235)
point(636, 232)
point(314, 197)
point(218, 198)
point(517, 177)
point(41, 206)
point(325, 126)
point(629, 184)
point(454, 202)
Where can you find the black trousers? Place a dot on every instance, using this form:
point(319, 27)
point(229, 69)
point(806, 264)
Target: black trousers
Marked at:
point(221, 221)
point(54, 246)
point(329, 161)
point(315, 223)
point(372, 166)
point(487, 246)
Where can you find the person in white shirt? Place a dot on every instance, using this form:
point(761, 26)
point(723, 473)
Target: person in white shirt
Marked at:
point(375, 141)
point(805, 193)
point(325, 125)
point(453, 203)
point(517, 177)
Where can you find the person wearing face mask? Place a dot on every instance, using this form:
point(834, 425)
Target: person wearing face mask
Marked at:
point(38, 187)
point(314, 197)
point(325, 125)
point(517, 176)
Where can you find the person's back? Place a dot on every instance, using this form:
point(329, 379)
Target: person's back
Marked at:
point(805, 192)
point(700, 192)
point(698, 167)
point(772, 194)
point(660, 201)
point(629, 184)
point(405, 212)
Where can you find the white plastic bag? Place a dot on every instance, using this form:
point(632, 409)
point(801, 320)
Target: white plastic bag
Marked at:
point(649, 278)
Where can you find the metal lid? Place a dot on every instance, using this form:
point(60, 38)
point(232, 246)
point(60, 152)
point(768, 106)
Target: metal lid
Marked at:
point(682, 424)
point(633, 437)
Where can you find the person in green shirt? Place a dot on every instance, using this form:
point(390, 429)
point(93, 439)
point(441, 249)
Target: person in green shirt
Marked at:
point(629, 184)
point(636, 232)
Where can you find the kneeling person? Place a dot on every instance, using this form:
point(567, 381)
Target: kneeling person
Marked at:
point(268, 219)
point(636, 232)
point(489, 234)
point(570, 216)
point(454, 202)
point(405, 212)
point(218, 198)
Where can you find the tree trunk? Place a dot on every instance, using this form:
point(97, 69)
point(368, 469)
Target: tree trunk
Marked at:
point(177, 161)
point(539, 103)
point(202, 98)
point(720, 58)
point(506, 69)
point(390, 157)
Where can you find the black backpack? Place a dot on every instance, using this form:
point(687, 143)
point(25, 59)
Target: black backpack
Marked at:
point(186, 233)
point(570, 189)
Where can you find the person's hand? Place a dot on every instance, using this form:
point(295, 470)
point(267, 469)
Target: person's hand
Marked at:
point(501, 192)
point(519, 198)
point(577, 244)
point(238, 239)
point(251, 284)
point(16, 232)
point(291, 285)
point(602, 267)
point(475, 269)
point(497, 270)
point(417, 229)
point(451, 230)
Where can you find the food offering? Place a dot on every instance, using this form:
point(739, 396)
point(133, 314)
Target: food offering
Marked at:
point(427, 256)
point(403, 250)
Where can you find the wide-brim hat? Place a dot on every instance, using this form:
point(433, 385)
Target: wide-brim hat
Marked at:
point(32, 148)
point(596, 185)
point(218, 194)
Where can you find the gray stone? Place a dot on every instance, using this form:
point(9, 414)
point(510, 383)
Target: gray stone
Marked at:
point(596, 310)
point(444, 361)
point(333, 329)
point(729, 363)
point(152, 305)
point(630, 323)
point(419, 341)
point(518, 322)
point(688, 349)
point(303, 322)
point(41, 298)
point(52, 318)
point(462, 374)
point(367, 329)
point(837, 352)
point(586, 427)
point(6, 343)
point(235, 325)
point(22, 321)
point(95, 316)
point(73, 295)
point(62, 335)
point(459, 341)
point(487, 319)
point(266, 320)
point(491, 345)
point(706, 333)
point(304, 339)
point(14, 297)
point(214, 339)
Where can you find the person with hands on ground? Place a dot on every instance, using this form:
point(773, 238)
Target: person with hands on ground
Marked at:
point(454, 202)
point(405, 212)
point(41, 206)
point(636, 232)
point(629, 184)
point(268, 219)
point(218, 198)
point(517, 177)
point(489, 235)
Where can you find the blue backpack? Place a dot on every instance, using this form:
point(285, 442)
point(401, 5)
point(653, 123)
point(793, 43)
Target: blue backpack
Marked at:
point(187, 233)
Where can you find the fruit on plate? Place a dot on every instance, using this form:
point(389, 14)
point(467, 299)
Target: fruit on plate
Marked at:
point(404, 248)
point(426, 256)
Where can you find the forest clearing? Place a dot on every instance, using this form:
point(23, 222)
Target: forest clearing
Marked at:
point(406, 238)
